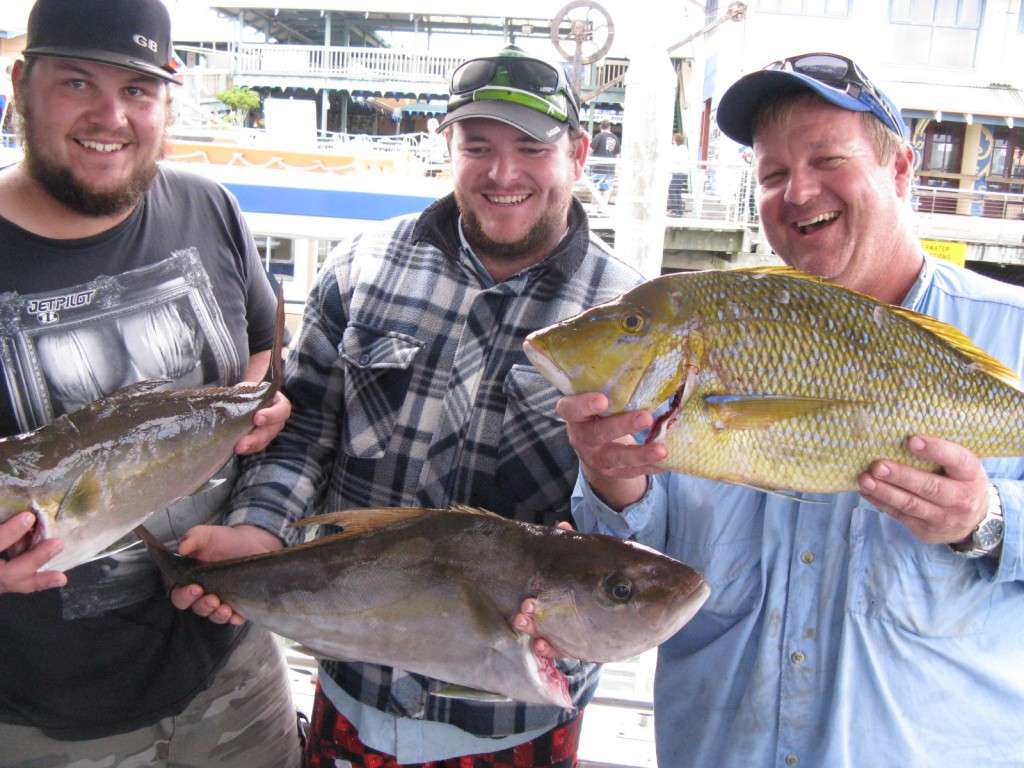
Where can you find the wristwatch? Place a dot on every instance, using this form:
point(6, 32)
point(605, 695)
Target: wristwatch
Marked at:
point(986, 539)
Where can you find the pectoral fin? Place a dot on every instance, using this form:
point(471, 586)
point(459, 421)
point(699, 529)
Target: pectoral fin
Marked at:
point(82, 497)
point(760, 411)
point(452, 691)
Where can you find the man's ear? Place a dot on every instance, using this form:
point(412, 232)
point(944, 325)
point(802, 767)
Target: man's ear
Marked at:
point(903, 168)
point(582, 148)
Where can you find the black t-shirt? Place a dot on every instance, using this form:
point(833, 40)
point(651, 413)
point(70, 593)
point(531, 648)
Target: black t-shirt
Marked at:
point(605, 144)
point(175, 291)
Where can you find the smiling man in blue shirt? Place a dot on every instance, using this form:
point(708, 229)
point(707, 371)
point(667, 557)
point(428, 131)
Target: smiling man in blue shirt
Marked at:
point(866, 629)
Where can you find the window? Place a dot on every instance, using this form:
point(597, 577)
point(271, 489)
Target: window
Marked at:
point(276, 255)
point(943, 147)
point(710, 11)
point(834, 8)
point(323, 248)
point(1008, 152)
point(937, 32)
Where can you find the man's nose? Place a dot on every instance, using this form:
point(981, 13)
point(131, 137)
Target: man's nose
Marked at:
point(107, 110)
point(504, 167)
point(801, 186)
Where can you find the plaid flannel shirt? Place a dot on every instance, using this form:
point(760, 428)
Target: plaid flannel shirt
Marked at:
point(409, 387)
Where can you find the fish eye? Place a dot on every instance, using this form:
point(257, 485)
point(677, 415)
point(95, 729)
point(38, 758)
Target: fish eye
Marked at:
point(633, 322)
point(618, 588)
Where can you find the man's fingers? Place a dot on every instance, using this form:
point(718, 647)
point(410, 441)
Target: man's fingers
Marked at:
point(22, 573)
point(956, 461)
point(581, 407)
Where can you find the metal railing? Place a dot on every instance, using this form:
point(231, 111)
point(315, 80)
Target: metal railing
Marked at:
point(710, 192)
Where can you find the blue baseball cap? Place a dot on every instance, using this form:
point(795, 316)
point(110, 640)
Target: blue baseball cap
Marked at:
point(834, 78)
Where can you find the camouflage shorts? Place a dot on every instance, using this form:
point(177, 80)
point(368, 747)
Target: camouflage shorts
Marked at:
point(243, 720)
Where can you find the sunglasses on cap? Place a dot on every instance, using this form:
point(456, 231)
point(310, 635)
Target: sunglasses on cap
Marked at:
point(843, 74)
point(529, 82)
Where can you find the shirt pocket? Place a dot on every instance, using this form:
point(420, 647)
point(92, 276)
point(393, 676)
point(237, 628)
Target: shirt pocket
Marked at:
point(536, 466)
point(378, 372)
point(924, 589)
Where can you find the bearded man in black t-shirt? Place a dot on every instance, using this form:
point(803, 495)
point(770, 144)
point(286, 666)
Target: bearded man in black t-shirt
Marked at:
point(115, 270)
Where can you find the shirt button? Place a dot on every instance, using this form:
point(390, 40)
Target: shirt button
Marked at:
point(792, 759)
point(807, 557)
point(364, 359)
point(797, 657)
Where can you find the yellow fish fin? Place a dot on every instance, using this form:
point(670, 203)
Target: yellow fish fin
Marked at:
point(82, 497)
point(358, 521)
point(962, 343)
point(760, 411)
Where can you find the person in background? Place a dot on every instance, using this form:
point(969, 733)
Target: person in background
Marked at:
point(114, 269)
point(410, 388)
point(874, 628)
point(679, 184)
point(602, 176)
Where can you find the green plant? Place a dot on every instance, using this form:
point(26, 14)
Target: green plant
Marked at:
point(241, 101)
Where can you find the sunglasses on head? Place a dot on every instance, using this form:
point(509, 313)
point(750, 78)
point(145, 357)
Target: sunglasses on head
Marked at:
point(843, 74)
point(530, 82)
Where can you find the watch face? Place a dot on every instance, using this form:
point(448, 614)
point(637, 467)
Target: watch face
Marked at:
point(989, 534)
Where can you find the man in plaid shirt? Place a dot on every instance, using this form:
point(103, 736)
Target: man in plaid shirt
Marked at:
point(410, 388)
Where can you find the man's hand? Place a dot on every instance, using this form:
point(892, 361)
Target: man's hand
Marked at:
point(937, 507)
point(523, 622)
point(614, 464)
point(219, 542)
point(267, 422)
point(19, 573)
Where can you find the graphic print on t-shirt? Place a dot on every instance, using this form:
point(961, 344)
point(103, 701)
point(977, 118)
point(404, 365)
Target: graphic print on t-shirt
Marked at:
point(65, 348)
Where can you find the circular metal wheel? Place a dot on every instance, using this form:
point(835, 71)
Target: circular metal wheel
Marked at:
point(582, 32)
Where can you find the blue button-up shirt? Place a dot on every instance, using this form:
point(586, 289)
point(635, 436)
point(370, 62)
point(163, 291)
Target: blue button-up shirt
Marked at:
point(832, 636)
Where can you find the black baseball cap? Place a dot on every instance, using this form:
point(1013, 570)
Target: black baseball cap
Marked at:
point(133, 34)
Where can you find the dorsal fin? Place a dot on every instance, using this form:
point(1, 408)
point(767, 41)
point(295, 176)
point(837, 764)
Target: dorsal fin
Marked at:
point(359, 521)
point(963, 344)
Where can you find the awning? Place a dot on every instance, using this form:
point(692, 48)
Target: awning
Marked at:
point(991, 104)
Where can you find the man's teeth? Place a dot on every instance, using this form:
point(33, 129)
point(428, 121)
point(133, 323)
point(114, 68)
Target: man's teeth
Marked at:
point(507, 199)
point(99, 146)
point(821, 218)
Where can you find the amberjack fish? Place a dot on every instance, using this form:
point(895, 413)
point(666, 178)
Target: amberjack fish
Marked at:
point(432, 591)
point(782, 381)
point(93, 475)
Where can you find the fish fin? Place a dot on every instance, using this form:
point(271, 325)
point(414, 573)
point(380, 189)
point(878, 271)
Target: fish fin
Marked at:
point(465, 509)
point(759, 411)
point(453, 691)
point(782, 493)
point(142, 387)
point(176, 569)
point(357, 521)
point(81, 497)
point(963, 344)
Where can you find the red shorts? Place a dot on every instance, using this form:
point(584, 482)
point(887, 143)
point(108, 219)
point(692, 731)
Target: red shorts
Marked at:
point(332, 736)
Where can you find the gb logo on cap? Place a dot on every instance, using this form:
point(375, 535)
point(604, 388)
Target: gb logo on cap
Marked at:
point(145, 42)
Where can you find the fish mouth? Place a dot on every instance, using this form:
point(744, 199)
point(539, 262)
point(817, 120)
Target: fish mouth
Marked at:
point(547, 367)
point(814, 223)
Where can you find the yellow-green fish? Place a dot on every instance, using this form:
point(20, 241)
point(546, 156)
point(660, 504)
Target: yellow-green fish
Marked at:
point(780, 380)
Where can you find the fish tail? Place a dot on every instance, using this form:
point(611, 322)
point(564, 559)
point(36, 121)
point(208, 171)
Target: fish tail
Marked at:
point(176, 570)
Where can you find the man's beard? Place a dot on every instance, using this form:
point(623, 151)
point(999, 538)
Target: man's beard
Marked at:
point(552, 222)
point(61, 184)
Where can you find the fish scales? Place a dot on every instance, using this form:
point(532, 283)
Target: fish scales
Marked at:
point(758, 342)
point(434, 592)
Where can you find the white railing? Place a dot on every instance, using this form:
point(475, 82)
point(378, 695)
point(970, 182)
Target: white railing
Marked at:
point(713, 192)
point(353, 63)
